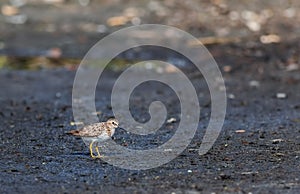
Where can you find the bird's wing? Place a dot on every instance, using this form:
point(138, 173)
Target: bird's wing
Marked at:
point(92, 130)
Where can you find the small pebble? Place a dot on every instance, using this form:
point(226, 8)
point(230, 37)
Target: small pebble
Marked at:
point(271, 38)
point(117, 21)
point(227, 68)
point(290, 12)
point(253, 26)
point(9, 10)
point(240, 131)
point(281, 95)
point(101, 28)
point(275, 141)
point(171, 120)
point(58, 95)
point(234, 15)
point(54, 52)
point(292, 67)
point(254, 83)
point(231, 96)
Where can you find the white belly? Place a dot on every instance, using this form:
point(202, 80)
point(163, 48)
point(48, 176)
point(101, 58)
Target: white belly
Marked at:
point(99, 138)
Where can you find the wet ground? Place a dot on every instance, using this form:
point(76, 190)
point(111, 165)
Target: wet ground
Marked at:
point(258, 150)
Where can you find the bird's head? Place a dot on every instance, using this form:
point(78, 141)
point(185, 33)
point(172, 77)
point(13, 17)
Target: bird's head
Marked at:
point(112, 123)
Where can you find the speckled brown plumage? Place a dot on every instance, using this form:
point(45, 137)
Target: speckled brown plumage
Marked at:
point(96, 132)
point(92, 130)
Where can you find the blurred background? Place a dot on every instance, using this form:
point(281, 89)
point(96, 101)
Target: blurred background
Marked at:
point(36, 33)
point(255, 43)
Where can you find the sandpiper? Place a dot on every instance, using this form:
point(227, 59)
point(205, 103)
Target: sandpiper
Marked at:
point(97, 132)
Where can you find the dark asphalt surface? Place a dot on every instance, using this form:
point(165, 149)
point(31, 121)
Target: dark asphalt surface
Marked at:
point(36, 155)
point(257, 151)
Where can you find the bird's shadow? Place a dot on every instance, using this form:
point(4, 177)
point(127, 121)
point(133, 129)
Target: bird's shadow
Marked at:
point(87, 154)
point(80, 154)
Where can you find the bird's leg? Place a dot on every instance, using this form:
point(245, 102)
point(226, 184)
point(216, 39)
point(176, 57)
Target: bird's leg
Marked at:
point(91, 150)
point(97, 149)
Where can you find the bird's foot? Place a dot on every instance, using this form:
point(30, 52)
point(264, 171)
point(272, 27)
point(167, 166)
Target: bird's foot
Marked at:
point(95, 156)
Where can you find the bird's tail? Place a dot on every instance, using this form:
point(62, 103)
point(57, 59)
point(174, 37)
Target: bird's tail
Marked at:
point(73, 132)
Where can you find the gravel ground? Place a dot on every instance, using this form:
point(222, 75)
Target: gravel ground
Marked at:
point(36, 155)
point(257, 151)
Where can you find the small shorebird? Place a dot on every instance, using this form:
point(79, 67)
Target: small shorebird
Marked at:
point(97, 132)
